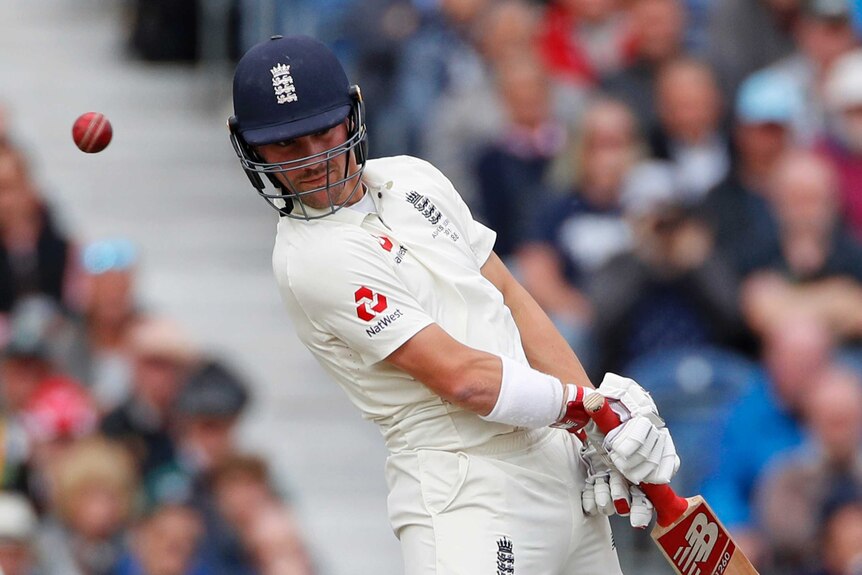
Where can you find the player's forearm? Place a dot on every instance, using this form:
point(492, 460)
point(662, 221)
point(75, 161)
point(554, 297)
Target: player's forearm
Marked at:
point(461, 375)
point(546, 350)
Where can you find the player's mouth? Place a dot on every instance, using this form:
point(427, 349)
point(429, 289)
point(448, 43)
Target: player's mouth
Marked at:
point(315, 180)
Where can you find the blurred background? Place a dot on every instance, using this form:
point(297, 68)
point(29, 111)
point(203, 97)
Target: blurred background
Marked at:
point(677, 182)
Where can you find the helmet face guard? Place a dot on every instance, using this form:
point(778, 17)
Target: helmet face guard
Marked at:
point(283, 196)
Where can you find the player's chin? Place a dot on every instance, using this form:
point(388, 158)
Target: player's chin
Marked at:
point(323, 199)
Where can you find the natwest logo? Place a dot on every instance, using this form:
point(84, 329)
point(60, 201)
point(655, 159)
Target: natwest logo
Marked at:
point(369, 303)
point(385, 243)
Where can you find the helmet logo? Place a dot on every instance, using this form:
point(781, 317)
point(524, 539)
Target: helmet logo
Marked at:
point(282, 83)
point(370, 303)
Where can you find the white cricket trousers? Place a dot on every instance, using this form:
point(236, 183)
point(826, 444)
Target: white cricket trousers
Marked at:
point(510, 507)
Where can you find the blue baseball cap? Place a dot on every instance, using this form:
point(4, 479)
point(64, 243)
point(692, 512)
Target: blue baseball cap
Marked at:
point(766, 98)
point(287, 87)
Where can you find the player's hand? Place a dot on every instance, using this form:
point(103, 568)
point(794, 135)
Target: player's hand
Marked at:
point(607, 492)
point(641, 448)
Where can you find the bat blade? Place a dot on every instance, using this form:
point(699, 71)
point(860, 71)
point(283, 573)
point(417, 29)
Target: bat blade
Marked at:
point(687, 531)
point(698, 544)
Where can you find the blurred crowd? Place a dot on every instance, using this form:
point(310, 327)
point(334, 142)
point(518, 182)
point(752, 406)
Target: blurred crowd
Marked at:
point(118, 452)
point(677, 182)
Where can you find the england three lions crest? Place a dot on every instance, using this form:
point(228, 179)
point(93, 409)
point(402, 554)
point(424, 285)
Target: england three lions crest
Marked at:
point(282, 83)
point(505, 557)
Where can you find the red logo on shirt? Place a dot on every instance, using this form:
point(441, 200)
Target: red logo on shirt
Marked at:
point(370, 303)
point(385, 243)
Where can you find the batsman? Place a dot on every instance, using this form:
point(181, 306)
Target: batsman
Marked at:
point(397, 292)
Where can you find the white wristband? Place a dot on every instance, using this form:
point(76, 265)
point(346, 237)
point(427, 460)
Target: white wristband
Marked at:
point(528, 398)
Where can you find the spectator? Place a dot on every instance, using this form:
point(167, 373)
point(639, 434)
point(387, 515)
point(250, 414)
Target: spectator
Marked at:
point(242, 488)
point(671, 289)
point(689, 134)
point(35, 256)
point(162, 355)
point(276, 544)
point(377, 31)
point(583, 40)
point(843, 141)
point(842, 540)
point(575, 235)
point(747, 35)
point(795, 351)
point(824, 33)
point(818, 268)
point(466, 119)
point(166, 542)
point(738, 208)
point(206, 415)
point(18, 524)
point(93, 495)
point(30, 352)
point(442, 56)
point(513, 171)
point(105, 361)
point(658, 28)
point(45, 409)
point(246, 501)
point(795, 489)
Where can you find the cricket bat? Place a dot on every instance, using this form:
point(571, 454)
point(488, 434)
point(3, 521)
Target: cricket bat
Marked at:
point(687, 531)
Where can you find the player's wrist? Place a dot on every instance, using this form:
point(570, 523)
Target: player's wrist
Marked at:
point(527, 397)
point(573, 417)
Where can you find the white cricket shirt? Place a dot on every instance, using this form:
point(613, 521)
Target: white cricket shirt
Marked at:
point(358, 285)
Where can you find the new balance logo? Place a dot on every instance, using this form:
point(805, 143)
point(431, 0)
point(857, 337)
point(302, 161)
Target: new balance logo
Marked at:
point(369, 303)
point(701, 538)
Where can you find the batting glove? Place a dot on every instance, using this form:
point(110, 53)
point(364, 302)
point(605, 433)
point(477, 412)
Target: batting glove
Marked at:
point(607, 492)
point(641, 448)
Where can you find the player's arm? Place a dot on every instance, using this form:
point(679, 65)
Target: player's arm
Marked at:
point(497, 388)
point(467, 377)
point(546, 349)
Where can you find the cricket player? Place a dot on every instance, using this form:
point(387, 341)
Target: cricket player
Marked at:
point(395, 289)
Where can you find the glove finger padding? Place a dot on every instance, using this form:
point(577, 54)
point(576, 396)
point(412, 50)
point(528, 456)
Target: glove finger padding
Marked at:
point(604, 503)
point(622, 499)
point(642, 509)
point(655, 464)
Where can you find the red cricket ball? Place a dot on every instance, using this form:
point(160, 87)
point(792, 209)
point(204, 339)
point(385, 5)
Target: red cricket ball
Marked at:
point(92, 132)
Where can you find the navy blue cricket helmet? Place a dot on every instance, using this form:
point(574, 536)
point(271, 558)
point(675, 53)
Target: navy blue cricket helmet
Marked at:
point(285, 88)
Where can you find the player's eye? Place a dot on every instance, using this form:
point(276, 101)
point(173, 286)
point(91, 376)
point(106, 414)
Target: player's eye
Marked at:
point(286, 143)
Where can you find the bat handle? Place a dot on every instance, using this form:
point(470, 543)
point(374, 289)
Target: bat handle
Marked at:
point(668, 505)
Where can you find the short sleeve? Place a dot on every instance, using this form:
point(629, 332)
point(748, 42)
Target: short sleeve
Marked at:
point(480, 237)
point(353, 294)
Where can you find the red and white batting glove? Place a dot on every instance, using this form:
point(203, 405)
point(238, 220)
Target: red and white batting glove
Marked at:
point(641, 448)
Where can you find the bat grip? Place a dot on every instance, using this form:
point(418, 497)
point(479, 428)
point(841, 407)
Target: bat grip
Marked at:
point(668, 505)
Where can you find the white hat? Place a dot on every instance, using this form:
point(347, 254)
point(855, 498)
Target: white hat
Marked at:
point(17, 519)
point(844, 82)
